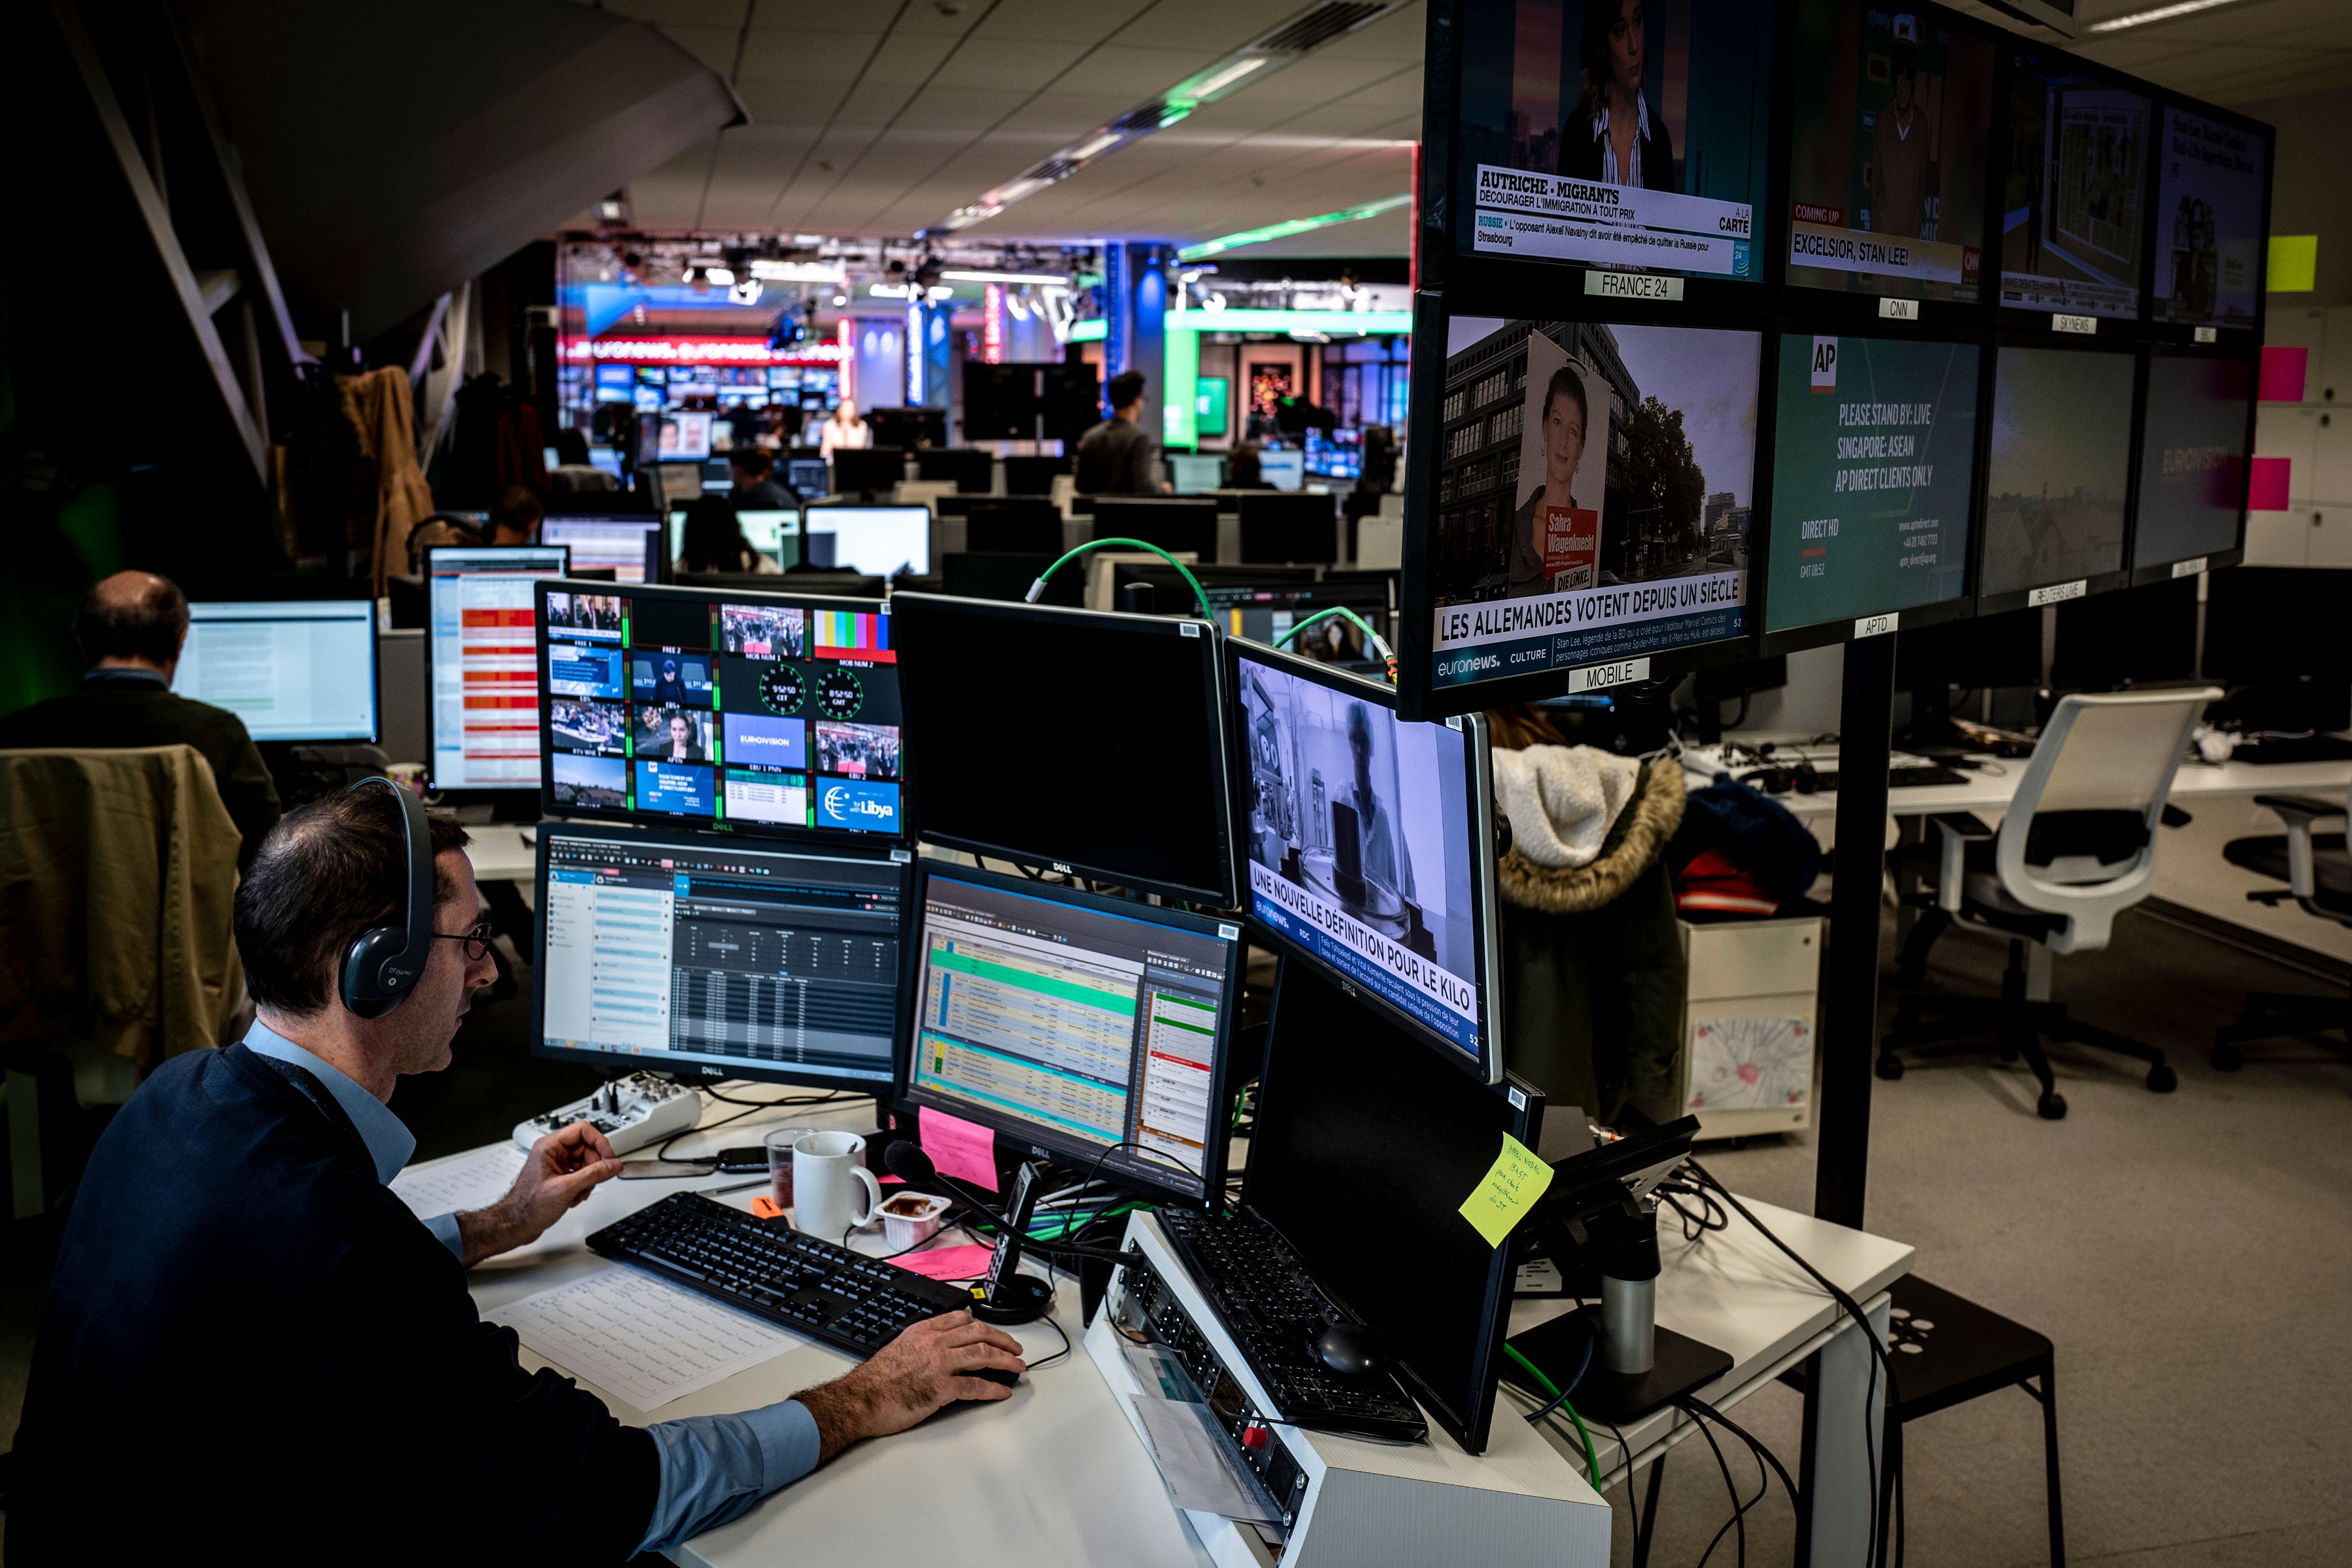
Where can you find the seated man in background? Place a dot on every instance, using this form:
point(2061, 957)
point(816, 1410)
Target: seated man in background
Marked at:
point(515, 519)
point(753, 472)
point(236, 1258)
point(130, 629)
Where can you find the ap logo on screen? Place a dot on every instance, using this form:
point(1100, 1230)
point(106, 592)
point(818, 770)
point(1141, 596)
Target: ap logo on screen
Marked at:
point(1825, 364)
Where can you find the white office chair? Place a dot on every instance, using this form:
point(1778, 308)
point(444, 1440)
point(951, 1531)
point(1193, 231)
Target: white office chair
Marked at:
point(2317, 871)
point(2077, 848)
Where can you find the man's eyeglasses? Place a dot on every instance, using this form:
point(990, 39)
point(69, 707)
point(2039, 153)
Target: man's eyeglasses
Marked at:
point(477, 939)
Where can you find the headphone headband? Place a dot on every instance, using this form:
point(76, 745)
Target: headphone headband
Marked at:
point(382, 965)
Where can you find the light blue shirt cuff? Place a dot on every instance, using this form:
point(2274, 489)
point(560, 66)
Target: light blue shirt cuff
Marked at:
point(444, 1225)
point(714, 1468)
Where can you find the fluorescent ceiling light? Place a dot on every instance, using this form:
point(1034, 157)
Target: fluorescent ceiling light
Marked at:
point(2159, 14)
point(959, 275)
point(1234, 72)
point(799, 271)
point(1287, 227)
point(719, 274)
point(1102, 143)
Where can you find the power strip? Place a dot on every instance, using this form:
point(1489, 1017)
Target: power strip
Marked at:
point(631, 1112)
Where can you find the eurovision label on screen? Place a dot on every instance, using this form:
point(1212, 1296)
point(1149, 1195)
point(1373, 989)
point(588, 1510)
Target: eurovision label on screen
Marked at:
point(1594, 493)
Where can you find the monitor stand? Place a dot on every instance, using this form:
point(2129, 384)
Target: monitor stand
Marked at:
point(1681, 1365)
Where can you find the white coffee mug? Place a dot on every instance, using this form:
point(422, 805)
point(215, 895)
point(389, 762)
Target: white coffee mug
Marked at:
point(827, 1170)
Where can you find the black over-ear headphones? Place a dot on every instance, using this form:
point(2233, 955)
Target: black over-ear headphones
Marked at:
point(381, 966)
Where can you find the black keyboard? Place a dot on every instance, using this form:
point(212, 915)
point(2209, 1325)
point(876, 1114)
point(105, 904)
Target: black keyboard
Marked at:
point(1920, 776)
point(1274, 1311)
point(803, 1283)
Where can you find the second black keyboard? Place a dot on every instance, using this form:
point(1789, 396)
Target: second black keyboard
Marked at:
point(1274, 1311)
point(803, 1283)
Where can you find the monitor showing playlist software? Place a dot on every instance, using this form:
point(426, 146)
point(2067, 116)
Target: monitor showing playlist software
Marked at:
point(2074, 198)
point(1098, 1031)
point(1369, 846)
point(2192, 463)
point(2212, 178)
point(1539, 174)
point(2060, 467)
point(484, 654)
point(298, 670)
point(1887, 161)
point(680, 951)
point(1872, 478)
point(763, 712)
point(1594, 489)
point(631, 546)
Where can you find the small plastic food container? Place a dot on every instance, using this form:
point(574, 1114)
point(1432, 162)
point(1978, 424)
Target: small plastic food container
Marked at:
point(910, 1219)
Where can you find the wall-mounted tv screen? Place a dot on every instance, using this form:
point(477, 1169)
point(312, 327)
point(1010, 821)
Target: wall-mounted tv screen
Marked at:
point(2073, 203)
point(2210, 180)
point(1594, 492)
point(1887, 155)
point(2061, 465)
point(1631, 135)
point(1873, 457)
point(2192, 463)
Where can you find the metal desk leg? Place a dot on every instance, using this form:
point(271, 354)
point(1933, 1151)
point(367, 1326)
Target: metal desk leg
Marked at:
point(1838, 1469)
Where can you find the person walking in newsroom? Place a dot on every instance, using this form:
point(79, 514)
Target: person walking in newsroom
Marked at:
point(235, 1249)
point(844, 429)
point(1613, 138)
point(1563, 430)
point(712, 541)
point(1118, 457)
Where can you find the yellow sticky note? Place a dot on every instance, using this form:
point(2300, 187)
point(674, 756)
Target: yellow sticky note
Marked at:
point(1508, 1192)
point(2294, 264)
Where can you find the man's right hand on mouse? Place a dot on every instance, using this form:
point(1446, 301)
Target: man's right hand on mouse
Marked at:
point(924, 1368)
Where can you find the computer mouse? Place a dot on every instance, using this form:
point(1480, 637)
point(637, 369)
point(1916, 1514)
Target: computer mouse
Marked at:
point(995, 1374)
point(1353, 1349)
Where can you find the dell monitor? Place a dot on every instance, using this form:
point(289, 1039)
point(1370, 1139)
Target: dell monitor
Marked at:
point(1179, 525)
point(1538, 532)
point(2193, 465)
point(1283, 467)
point(2074, 198)
point(2213, 199)
point(808, 477)
point(2140, 637)
point(1978, 653)
point(634, 548)
point(1027, 476)
point(1278, 527)
point(972, 469)
point(2278, 630)
point(867, 470)
point(682, 953)
point(763, 712)
point(484, 654)
point(1370, 848)
point(2060, 471)
point(1094, 1031)
point(878, 540)
point(1019, 525)
point(684, 438)
point(1363, 1150)
point(292, 670)
point(1265, 603)
point(1873, 478)
point(1086, 742)
point(909, 428)
point(1008, 576)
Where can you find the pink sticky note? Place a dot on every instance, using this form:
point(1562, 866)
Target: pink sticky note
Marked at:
point(963, 1149)
point(949, 1262)
point(2266, 486)
point(2283, 373)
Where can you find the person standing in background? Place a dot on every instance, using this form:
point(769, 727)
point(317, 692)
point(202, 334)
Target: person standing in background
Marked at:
point(844, 429)
point(1118, 457)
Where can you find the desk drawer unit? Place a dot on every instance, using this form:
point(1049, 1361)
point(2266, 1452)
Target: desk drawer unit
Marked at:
point(1746, 1061)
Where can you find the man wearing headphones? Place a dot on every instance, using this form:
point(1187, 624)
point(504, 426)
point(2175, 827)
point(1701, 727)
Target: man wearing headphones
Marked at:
point(250, 1340)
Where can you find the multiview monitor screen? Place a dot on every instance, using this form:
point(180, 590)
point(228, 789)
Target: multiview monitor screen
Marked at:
point(2192, 464)
point(680, 951)
point(2211, 176)
point(1593, 494)
point(1370, 850)
point(1887, 156)
point(2074, 199)
point(2055, 491)
point(1615, 133)
point(485, 662)
point(761, 713)
point(297, 670)
point(1874, 464)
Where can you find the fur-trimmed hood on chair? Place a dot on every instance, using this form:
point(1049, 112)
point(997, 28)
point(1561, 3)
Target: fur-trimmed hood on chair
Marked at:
point(1584, 825)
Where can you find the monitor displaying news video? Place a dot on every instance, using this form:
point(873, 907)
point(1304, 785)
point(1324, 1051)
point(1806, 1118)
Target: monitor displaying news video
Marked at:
point(485, 663)
point(685, 438)
point(763, 712)
point(1631, 135)
point(1872, 477)
point(1369, 846)
point(2192, 464)
point(1593, 494)
point(2212, 178)
point(2060, 467)
point(2074, 199)
point(1887, 156)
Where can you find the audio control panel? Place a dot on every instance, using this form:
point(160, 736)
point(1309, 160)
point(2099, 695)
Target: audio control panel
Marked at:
point(631, 1112)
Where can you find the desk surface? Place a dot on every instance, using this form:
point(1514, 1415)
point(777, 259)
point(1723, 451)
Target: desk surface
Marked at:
point(1055, 1474)
point(503, 851)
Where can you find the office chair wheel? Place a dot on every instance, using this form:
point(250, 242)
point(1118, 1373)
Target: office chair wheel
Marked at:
point(1890, 1067)
point(2228, 1058)
point(2162, 1079)
point(2052, 1105)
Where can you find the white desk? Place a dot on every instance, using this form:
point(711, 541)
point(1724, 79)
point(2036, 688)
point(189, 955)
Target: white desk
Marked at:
point(1055, 1475)
point(503, 851)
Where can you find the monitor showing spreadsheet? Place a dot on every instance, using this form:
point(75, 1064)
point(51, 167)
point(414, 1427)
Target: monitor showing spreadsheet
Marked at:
point(299, 670)
point(483, 653)
point(631, 546)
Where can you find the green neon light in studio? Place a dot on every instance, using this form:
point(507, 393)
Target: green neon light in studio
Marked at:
point(1287, 227)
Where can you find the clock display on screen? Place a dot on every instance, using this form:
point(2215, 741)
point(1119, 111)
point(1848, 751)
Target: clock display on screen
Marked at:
point(838, 694)
point(781, 689)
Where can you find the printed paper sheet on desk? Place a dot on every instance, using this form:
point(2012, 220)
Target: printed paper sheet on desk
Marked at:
point(471, 1181)
point(644, 1339)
